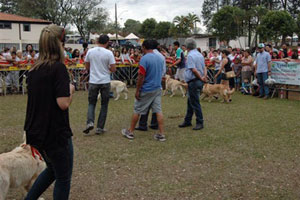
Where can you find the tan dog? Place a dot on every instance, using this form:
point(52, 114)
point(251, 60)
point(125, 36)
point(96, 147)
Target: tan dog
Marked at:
point(173, 85)
point(210, 90)
point(19, 168)
point(118, 87)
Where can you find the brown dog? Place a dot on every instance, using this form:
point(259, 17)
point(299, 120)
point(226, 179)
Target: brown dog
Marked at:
point(224, 91)
point(173, 85)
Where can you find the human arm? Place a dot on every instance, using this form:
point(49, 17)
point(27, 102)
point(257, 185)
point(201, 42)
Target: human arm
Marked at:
point(224, 62)
point(62, 87)
point(139, 84)
point(65, 102)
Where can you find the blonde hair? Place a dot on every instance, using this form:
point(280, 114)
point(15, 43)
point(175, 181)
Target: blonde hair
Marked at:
point(50, 46)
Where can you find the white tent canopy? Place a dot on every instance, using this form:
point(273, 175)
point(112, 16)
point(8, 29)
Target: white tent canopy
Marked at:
point(131, 36)
point(94, 36)
point(113, 37)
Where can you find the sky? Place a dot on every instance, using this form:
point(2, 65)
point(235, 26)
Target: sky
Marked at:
point(161, 10)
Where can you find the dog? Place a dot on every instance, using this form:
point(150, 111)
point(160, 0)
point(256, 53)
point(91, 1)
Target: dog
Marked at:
point(118, 87)
point(173, 85)
point(19, 168)
point(209, 90)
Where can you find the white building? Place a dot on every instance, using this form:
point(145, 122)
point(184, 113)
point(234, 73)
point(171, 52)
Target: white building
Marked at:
point(19, 31)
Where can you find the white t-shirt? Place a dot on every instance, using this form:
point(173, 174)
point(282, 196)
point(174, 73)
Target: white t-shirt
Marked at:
point(217, 65)
point(232, 58)
point(100, 60)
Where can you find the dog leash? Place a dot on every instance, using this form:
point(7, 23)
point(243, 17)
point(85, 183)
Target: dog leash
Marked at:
point(36, 153)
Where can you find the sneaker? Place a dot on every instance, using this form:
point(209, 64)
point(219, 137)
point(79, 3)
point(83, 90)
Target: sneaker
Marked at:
point(127, 134)
point(89, 126)
point(100, 131)
point(160, 137)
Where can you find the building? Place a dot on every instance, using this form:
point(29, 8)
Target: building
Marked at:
point(19, 31)
point(206, 41)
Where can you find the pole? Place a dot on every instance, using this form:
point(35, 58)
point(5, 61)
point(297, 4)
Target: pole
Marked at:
point(116, 15)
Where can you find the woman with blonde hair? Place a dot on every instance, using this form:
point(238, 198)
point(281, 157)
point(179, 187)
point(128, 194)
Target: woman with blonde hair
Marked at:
point(47, 120)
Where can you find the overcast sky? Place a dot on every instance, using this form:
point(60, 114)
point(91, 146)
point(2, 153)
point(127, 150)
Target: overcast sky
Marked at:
point(161, 10)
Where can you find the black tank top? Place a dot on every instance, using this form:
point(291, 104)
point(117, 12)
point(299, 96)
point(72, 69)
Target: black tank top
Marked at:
point(227, 67)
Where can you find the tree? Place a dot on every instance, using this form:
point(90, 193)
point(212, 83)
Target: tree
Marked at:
point(182, 24)
point(275, 24)
point(97, 21)
point(82, 13)
point(9, 6)
point(193, 19)
point(147, 28)
point(208, 9)
point(298, 27)
point(162, 30)
point(56, 11)
point(227, 23)
point(132, 26)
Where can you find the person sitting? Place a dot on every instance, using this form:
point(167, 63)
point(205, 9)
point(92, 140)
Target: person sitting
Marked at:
point(125, 56)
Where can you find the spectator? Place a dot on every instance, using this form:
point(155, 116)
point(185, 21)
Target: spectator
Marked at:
point(100, 62)
point(247, 63)
point(76, 54)
point(125, 56)
point(262, 71)
point(216, 60)
point(294, 54)
point(118, 57)
point(275, 55)
point(28, 48)
point(12, 76)
point(237, 68)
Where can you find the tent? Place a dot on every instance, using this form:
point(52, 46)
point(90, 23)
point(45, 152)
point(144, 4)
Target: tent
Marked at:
point(113, 37)
point(131, 36)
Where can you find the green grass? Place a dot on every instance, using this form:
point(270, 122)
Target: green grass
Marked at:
point(249, 149)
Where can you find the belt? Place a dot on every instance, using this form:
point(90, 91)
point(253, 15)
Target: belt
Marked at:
point(195, 79)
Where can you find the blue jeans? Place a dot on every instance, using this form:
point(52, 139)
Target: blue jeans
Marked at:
point(219, 78)
point(94, 90)
point(193, 104)
point(263, 88)
point(59, 169)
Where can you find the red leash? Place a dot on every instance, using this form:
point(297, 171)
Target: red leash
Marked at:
point(36, 153)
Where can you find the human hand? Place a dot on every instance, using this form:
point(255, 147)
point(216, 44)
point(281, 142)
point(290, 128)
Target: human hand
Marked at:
point(137, 95)
point(72, 89)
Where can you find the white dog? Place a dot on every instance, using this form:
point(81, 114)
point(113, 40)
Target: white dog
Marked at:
point(19, 168)
point(118, 87)
point(173, 85)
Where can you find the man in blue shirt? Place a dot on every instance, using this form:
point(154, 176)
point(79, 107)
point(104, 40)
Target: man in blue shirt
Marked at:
point(195, 76)
point(148, 90)
point(144, 118)
point(263, 70)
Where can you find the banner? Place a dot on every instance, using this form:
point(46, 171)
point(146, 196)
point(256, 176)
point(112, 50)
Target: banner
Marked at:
point(286, 72)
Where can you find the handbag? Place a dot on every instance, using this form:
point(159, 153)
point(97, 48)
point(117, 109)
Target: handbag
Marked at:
point(230, 74)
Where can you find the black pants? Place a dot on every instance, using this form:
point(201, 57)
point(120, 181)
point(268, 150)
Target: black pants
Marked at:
point(144, 119)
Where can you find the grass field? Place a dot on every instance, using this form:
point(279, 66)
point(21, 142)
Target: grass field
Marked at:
point(249, 149)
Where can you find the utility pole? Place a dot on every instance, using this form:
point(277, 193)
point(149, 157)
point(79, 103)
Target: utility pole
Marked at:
point(116, 15)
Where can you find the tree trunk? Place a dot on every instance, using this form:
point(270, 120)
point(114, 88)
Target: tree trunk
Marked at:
point(249, 33)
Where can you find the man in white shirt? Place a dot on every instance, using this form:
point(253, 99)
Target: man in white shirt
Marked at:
point(100, 62)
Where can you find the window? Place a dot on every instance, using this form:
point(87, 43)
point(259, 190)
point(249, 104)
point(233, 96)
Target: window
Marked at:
point(212, 42)
point(5, 25)
point(26, 27)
